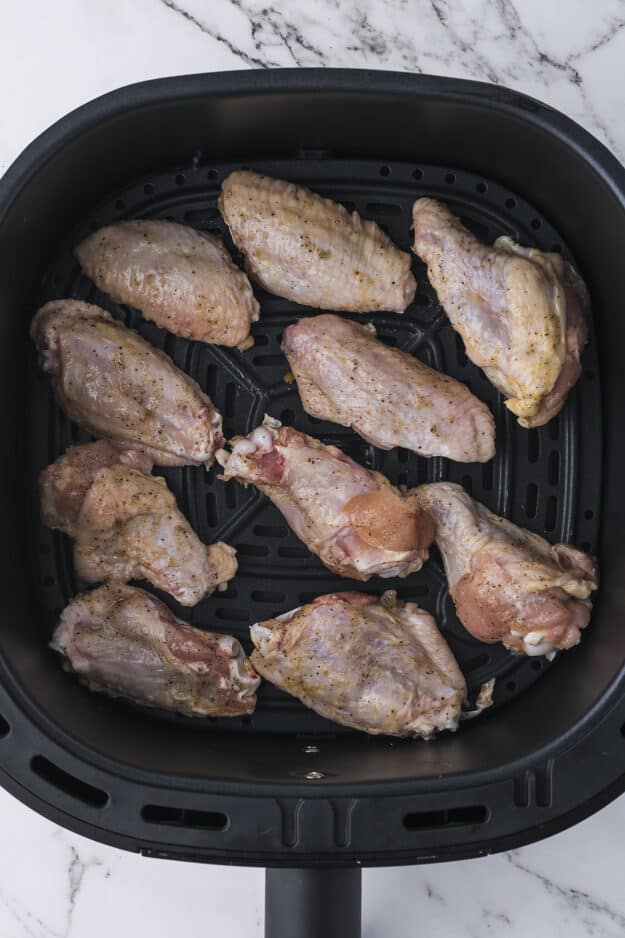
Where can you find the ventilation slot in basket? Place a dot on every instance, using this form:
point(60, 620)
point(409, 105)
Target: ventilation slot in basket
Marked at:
point(449, 817)
point(183, 817)
point(68, 784)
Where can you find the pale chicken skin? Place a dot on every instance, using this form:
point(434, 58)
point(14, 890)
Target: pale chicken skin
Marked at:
point(125, 642)
point(116, 385)
point(508, 584)
point(357, 523)
point(373, 664)
point(126, 525)
point(182, 279)
point(309, 249)
point(522, 313)
point(346, 375)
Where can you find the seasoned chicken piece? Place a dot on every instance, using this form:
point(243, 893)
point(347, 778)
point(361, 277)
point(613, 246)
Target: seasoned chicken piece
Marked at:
point(127, 525)
point(125, 642)
point(508, 584)
point(371, 663)
point(183, 279)
point(311, 250)
point(522, 314)
point(116, 385)
point(345, 374)
point(357, 523)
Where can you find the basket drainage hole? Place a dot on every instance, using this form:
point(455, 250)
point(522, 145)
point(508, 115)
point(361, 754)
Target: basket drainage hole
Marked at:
point(450, 179)
point(481, 187)
point(417, 174)
point(511, 686)
point(212, 174)
point(148, 188)
point(184, 817)
point(589, 514)
point(385, 170)
point(68, 784)
point(180, 179)
point(510, 203)
point(449, 817)
point(536, 664)
point(536, 223)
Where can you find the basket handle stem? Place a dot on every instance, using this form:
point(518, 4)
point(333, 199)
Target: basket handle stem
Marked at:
point(313, 903)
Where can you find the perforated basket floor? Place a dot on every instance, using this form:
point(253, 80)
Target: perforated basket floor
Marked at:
point(546, 479)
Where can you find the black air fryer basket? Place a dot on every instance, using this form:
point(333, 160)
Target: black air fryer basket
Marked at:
point(285, 788)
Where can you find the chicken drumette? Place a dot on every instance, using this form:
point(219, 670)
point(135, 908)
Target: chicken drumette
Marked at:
point(508, 584)
point(357, 523)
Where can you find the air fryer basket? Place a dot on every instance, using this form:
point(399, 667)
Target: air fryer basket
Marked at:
point(287, 788)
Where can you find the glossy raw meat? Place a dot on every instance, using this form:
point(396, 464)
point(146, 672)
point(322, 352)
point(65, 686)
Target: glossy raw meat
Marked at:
point(125, 642)
point(345, 374)
point(183, 279)
point(311, 250)
point(371, 663)
point(508, 584)
point(357, 523)
point(127, 525)
point(116, 385)
point(523, 314)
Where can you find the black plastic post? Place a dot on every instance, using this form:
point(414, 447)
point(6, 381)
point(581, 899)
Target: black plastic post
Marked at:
point(313, 903)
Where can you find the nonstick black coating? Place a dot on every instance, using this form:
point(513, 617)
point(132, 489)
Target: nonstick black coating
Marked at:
point(287, 788)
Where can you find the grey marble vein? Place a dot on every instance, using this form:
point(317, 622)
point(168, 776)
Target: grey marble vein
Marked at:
point(584, 908)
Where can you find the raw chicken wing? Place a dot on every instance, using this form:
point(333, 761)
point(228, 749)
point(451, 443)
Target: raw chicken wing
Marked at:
point(124, 642)
point(357, 523)
point(522, 313)
point(508, 584)
point(311, 250)
point(371, 663)
point(183, 279)
point(345, 374)
point(116, 385)
point(127, 526)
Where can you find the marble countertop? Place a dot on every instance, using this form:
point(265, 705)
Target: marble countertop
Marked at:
point(55, 56)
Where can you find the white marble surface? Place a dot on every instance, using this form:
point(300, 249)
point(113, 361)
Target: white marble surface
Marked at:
point(54, 56)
